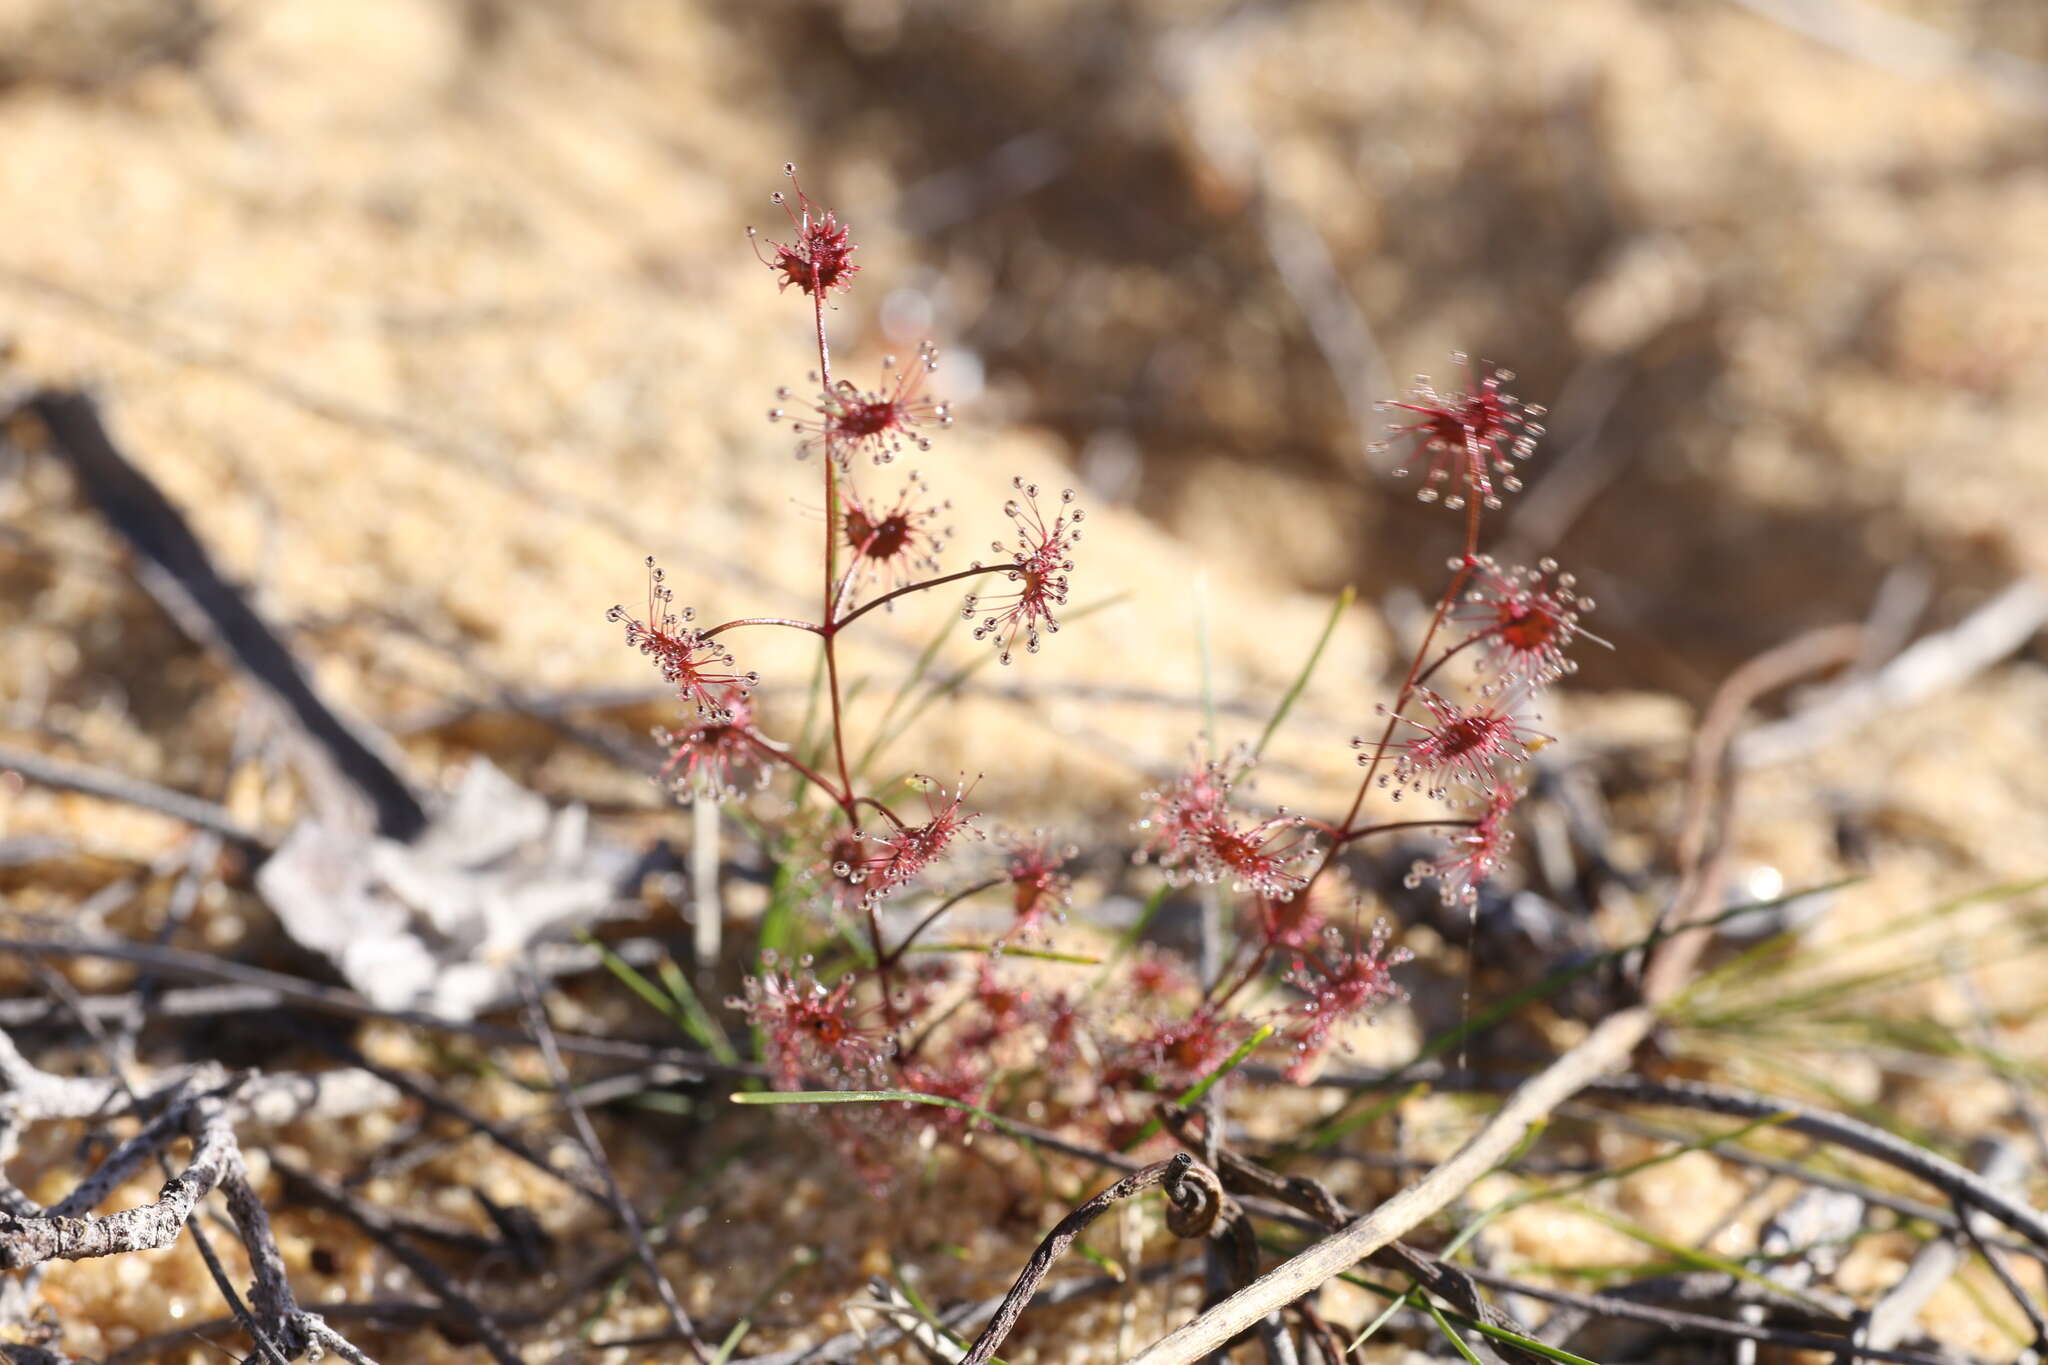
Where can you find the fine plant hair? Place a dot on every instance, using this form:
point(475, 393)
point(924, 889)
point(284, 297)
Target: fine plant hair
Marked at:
point(859, 1008)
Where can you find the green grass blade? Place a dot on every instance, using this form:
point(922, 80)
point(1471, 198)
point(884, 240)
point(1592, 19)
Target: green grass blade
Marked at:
point(1363, 1118)
point(1991, 1305)
point(1398, 1298)
point(630, 977)
point(1913, 920)
point(1342, 1123)
point(1193, 1094)
point(917, 673)
point(1346, 1120)
point(1450, 1332)
point(1308, 669)
point(707, 1028)
point(1691, 1257)
point(1129, 939)
point(808, 746)
point(778, 928)
point(686, 1012)
point(1516, 1201)
point(951, 684)
point(1108, 1265)
point(929, 1316)
point(995, 1121)
point(1512, 1338)
point(1394, 1305)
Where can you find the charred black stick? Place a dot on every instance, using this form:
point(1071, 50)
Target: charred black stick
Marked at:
point(183, 577)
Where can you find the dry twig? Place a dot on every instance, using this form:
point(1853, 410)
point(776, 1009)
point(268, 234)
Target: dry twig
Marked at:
point(181, 575)
point(133, 791)
point(1606, 1048)
point(1955, 1182)
point(31, 1236)
point(544, 1034)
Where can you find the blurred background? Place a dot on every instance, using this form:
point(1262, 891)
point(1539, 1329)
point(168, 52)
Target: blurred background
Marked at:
point(437, 316)
point(440, 308)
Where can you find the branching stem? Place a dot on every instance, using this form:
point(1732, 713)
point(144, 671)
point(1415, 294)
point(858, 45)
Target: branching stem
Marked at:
point(864, 608)
point(790, 621)
point(1408, 686)
point(895, 954)
point(805, 770)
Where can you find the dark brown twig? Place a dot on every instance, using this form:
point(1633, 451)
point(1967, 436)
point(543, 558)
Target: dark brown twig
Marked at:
point(1675, 1320)
point(1171, 1174)
point(1792, 1170)
point(1447, 1282)
point(1994, 1258)
point(382, 1222)
point(1936, 1170)
point(383, 1228)
point(848, 1345)
point(1957, 1183)
point(498, 1133)
point(337, 1000)
point(544, 1034)
point(182, 576)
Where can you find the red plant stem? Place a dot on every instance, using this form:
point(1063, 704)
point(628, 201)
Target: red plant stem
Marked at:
point(909, 1050)
point(864, 608)
point(896, 954)
point(1408, 685)
point(1243, 979)
point(884, 965)
point(1366, 830)
point(830, 633)
point(789, 621)
point(1345, 836)
point(829, 630)
point(838, 717)
point(886, 813)
point(1449, 654)
point(811, 774)
point(1350, 829)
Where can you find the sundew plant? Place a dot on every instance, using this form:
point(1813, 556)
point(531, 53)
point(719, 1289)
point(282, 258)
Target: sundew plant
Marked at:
point(1305, 954)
